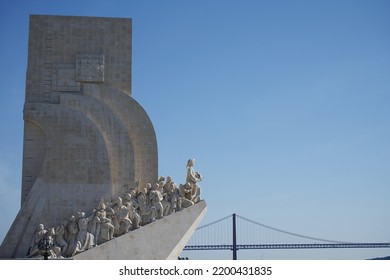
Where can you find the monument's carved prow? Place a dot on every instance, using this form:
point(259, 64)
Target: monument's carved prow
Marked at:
point(85, 138)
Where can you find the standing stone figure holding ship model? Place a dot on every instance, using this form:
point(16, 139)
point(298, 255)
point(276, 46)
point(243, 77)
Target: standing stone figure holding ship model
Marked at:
point(190, 191)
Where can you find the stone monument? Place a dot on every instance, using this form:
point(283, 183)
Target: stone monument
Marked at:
point(90, 163)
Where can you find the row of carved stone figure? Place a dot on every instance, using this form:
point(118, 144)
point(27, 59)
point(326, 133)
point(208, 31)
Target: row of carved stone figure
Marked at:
point(134, 209)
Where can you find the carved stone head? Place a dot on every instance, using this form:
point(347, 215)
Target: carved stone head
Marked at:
point(190, 163)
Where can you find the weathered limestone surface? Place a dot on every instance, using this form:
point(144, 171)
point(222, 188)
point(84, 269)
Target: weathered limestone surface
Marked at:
point(85, 137)
point(161, 240)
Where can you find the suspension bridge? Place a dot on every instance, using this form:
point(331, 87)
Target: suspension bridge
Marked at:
point(235, 232)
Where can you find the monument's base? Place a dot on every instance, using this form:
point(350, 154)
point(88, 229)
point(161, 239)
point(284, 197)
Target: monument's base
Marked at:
point(161, 240)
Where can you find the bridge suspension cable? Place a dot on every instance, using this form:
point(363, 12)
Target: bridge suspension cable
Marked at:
point(215, 222)
point(290, 233)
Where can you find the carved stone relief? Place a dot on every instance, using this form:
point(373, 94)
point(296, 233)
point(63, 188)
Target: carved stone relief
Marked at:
point(90, 68)
point(137, 208)
point(63, 78)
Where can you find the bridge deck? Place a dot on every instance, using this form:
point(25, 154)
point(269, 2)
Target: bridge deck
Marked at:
point(288, 246)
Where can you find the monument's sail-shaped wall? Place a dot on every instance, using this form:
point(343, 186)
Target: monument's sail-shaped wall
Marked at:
point(85, 137)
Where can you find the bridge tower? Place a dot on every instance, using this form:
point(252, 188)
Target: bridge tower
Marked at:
point(234, 237)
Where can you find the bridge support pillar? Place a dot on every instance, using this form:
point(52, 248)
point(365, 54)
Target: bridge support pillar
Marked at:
point(234, 238)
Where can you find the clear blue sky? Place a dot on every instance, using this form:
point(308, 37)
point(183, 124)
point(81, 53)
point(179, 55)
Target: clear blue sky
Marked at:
point(283, 104)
